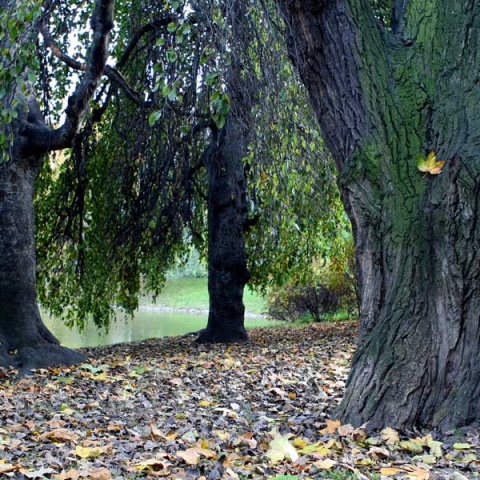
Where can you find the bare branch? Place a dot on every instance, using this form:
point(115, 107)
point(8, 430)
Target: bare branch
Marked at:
point(102, 23)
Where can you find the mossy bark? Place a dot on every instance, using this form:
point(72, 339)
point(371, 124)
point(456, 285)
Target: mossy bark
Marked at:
point(384, 98)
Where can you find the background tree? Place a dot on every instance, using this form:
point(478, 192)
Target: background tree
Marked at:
point(177, 134)
point(386, 97)
point(25, 342)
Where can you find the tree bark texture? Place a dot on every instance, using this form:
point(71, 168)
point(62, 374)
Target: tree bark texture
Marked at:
point(25, 341)
point(227, 259)
point(384, 99)
point(227, 196)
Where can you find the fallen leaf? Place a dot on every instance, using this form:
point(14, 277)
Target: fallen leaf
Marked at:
point(462, 446)
point(326, 464)
point(88, 452)
point(280, 449)
point(389, 471)
point(100, 473)
point(390, 436)
point(331, 427)
point(192, 455)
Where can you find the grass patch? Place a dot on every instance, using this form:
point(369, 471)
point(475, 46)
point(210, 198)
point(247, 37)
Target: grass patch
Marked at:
point(192, 293)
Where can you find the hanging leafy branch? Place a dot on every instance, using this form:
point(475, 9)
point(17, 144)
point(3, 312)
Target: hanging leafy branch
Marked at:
point(132, 197)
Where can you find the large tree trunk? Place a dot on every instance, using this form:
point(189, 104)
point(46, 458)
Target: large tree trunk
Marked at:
point(383, 100)
point(227, 258)
point(25, 342)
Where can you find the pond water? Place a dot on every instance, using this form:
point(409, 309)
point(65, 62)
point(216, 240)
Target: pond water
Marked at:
point(145, 324)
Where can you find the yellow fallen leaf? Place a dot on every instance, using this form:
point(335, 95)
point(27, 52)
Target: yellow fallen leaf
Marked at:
point(222, 435)
point(462, 446)
point(318, 448)
point(390, 436)
point(280, 449)
point(326, 464)
point(427, 459)
point(389, 471)
point(87, 452)
point(152, 465)
point(430, 164)
point(331, 427)
point(414, 445)
point(204, 403)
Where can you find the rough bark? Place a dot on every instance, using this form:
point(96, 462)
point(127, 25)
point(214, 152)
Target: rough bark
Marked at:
point(227, 259)
point(227, 207)
point(383, 99)
point(25, 342)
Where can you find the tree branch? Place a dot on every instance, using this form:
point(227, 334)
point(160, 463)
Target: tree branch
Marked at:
point(41, 138)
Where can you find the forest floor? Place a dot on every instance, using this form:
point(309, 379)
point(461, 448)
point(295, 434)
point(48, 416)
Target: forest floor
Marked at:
point(172, 409)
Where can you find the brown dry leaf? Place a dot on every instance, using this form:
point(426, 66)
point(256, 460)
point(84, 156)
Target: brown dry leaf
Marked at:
point(71, 474)
point(345, 430)
point(60, 435)
point(416, 473)
point(192, 455)
point(390, 471)
point(9, 467)
point(100, 473)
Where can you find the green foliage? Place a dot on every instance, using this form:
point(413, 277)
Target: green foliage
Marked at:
point(18, 64)
point(129, 199)
point(332, 287)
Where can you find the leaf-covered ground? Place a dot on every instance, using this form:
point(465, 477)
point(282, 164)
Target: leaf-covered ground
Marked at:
point(170, 408)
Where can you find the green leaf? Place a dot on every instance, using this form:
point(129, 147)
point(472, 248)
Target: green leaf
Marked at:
point(171, 55)
point(153, 118)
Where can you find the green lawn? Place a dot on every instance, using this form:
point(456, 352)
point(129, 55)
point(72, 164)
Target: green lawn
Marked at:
point(192, 293)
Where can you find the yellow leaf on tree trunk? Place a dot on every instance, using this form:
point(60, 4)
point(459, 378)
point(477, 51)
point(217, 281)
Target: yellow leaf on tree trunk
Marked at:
point(430, 164)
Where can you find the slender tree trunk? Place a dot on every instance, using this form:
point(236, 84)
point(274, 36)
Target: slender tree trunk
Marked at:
point(227, 195)
point(25, 342)
point(383, 100)
point(227, 258)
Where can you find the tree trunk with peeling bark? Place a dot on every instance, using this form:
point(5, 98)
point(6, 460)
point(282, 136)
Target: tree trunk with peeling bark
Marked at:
point(386, 97)
point(25, 341)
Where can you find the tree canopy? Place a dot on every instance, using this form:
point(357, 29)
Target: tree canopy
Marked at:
point(130, 196)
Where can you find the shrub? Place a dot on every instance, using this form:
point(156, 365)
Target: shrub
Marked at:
point(333, 288)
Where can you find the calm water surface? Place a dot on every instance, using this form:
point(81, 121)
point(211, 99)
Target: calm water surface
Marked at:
point(145, 324)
